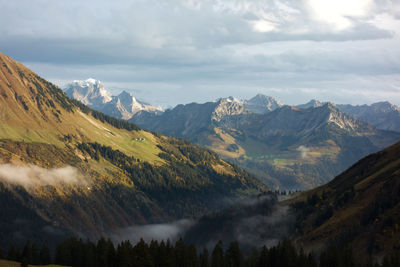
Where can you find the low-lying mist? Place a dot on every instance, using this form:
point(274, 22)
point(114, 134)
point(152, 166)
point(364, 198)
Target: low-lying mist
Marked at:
point(253, 222)
point(31, 175)
point(167, 231)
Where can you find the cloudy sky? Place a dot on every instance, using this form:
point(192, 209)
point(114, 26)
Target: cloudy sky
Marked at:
point(180, 51)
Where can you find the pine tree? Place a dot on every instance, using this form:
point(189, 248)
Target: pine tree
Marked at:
point(142, 256)
point(233, 256)
point(24, 262)
point(180, 253)
point(124, 251)
point(217, 256)
point(204, 259)
point(191, 256)
point(12, 253)
point(35, 255)
point(27, 252)
point(45, 255)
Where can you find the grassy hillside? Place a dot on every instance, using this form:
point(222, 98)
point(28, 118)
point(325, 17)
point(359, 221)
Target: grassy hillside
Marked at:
point(360, 207)
point(66, 169)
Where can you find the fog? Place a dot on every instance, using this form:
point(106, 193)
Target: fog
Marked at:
point(31, 175)
point(167, 231)
point(252, 222)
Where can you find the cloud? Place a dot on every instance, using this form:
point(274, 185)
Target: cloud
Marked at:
point(340, 13)
point(31, 175)
point(223, 47)
point(303, 151)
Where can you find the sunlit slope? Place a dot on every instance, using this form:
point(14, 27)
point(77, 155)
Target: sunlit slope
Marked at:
point(33, 110)
point(75, 170)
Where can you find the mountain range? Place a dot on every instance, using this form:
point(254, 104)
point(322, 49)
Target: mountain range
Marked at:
point(383, 115)
point(66, 169)
point(285, 146)
point(288, 148)
point(92, 93)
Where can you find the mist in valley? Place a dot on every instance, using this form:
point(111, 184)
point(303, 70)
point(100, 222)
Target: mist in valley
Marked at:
point(253, 222)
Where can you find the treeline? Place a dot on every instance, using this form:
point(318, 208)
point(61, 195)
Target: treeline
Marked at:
point(78, 253)
point(95, 150)
point(117, 123)
point(188, 175)
point(31, 253)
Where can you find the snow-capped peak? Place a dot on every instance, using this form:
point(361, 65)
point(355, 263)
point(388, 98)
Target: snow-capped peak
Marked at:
point(91, 92)
point(92, 81)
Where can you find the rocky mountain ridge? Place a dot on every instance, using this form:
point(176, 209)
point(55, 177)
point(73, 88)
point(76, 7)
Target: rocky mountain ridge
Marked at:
point(288, 147)
point(92, 93)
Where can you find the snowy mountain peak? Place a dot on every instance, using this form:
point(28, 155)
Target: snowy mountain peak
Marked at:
point(233, 99)
point(92, 81)
point(230, 99)
point(91, 92)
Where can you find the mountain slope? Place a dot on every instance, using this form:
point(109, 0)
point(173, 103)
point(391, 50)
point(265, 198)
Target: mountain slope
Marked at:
point(382, 115)
point(93, 94)
point(66, 169)
point(360, 207)
point(289, 148)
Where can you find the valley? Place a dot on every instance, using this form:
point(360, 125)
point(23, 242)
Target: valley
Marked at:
point(69, 170)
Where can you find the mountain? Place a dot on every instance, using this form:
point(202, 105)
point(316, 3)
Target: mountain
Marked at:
point(313, 103)
point(66, 169)
point(360, 208)
point(383, 115)
point(288, 148)
point(90, 92)
point(93, 94)
point(262, 104)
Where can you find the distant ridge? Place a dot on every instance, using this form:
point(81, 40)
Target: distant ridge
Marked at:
point(383, 115)
point(287, 147)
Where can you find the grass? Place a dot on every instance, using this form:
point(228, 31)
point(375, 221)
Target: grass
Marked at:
point(83, 127)
point(5, 263)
